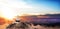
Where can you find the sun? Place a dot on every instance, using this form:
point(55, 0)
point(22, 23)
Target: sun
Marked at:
point(8, 13)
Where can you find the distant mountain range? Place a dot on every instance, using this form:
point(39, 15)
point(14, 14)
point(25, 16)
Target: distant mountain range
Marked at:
point(42, 19)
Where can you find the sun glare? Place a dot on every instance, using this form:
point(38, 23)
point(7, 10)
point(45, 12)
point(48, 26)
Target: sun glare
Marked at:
point(8, 13)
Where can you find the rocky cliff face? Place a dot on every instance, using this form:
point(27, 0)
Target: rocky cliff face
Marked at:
point(18, 25)
point(42, 20)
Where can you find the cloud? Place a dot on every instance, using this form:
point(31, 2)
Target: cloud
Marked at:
point(12, 7)
point(18, 7)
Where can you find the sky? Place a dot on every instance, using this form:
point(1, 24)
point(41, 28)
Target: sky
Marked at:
point(44, 6)
point(11, 8)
